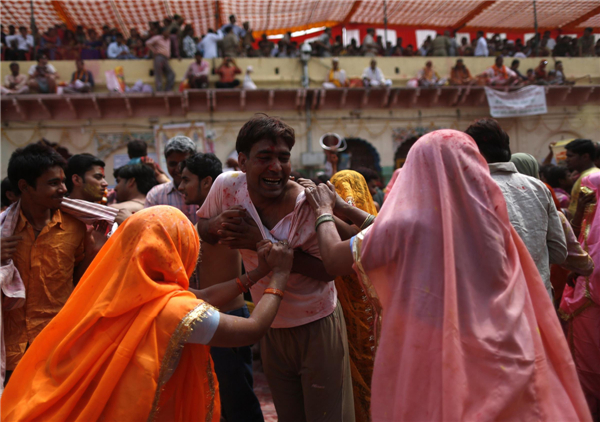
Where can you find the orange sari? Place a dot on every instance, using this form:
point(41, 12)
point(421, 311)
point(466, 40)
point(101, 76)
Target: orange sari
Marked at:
point(361, 307)
point(110, 353)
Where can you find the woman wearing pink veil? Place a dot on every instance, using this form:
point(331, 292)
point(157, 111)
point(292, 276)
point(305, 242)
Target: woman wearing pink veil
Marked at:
point(580, 305)
point(468, 332)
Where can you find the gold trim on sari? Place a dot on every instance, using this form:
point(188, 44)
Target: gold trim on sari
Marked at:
point(173, 353)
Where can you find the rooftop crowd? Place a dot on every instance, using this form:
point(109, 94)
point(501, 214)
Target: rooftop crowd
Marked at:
point(370, 302)
point(232, 40)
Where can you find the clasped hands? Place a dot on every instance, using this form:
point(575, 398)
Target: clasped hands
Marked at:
point(236, 229)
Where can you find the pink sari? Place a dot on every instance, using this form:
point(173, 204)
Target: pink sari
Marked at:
point(580, 307)
point(469, 332)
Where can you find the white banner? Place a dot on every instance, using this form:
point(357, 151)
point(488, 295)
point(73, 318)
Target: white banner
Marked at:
point(526, 101)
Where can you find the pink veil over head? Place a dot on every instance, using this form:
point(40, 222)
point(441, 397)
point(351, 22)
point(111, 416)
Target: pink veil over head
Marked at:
point(469, 332)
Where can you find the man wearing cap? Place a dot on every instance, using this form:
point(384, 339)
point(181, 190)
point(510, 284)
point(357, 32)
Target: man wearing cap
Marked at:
point(337, 77)
point(248, 82)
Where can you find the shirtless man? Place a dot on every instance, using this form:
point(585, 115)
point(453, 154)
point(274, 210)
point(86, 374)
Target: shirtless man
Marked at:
point(134, 181)
point(218, 264)
point(305, 352)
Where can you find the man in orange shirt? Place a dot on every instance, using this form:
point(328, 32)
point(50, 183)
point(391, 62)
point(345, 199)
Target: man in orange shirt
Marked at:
point(49, 248)
point(227, 72)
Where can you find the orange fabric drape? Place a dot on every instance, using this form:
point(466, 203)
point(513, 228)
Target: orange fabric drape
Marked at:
point(108, 354)
point(361, 310)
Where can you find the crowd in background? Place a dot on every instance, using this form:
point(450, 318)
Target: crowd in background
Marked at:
point(232, 40)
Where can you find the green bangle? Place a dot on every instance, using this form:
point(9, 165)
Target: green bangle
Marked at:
point(368, 221)
point(322, 219)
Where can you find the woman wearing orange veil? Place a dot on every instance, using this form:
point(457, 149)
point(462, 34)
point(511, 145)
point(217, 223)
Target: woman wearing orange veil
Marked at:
point(362, 310)
point(131, 343)
point(468, 332)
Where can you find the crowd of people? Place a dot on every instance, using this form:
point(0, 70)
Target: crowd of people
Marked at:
point(172, 38)
point(129, 305)
point(232, 40)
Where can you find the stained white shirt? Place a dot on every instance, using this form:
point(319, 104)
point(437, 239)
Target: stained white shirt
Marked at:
point(533, 214)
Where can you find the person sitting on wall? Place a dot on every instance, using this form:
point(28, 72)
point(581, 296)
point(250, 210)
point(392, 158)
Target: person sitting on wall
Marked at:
point(541, 75)
point(560, 74)
point(43, 76)
point(82, 80)
point(15, 82)
point(197, 73)
point(428, 77)
point(337, 77)
point(227, 72)
point(499, 74)
point(373, 76)
point(460, 75)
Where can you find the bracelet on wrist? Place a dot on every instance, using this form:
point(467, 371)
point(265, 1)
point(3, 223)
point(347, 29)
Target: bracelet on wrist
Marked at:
point(243, 289)
point(322, 219)
point(368, 221)
point(272, 291)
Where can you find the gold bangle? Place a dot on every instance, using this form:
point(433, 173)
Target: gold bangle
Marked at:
point(272, 291)
point(368, 221)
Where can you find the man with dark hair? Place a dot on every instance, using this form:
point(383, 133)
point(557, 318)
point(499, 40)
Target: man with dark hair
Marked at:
point(531, 209)
point(305, 352)
point(585, 44)
point(15, 82)
point(580, 158)
point(219, 264)
point(134, 181)
point(9, 194)
point(177, 150)
point(514, 66)
point(85, 178)
point(49, 248)
point(136, 148)
point(373, 181)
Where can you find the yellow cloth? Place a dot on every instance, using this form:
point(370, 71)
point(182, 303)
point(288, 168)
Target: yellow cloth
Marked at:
point(108, 355)
point(577, 188)
point(46, 265)
point(359, 302)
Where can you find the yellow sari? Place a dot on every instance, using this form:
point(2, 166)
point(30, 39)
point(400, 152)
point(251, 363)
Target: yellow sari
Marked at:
point(359, 301)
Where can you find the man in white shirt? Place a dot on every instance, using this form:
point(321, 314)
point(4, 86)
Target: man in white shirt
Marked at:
point(42, 76)
point(240, 33)
point(369, 45)
point(208, 44)
point(482, 48)
point(531, 209)
point(119, 50)
point(373, 76)
point(24, 42)
point(550, 42)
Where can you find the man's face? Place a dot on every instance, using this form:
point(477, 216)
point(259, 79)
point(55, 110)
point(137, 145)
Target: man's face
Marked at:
point(267, 168)
point(122, 190)
point(94, 184)
point(574, 161)
point(373, 184)
point(49, 189)
point(515, 66)
point(79, 65)
point(373, 64)
point(191, 188)
point(459, 64)
point(14, 69)
point(173, 160)
point(23, 31)
point(499, 61)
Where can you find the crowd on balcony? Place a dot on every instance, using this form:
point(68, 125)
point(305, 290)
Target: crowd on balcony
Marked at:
point(61, 43)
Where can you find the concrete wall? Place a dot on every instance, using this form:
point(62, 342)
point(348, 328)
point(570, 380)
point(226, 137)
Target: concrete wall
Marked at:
point(284, 73)
point(527, 134)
